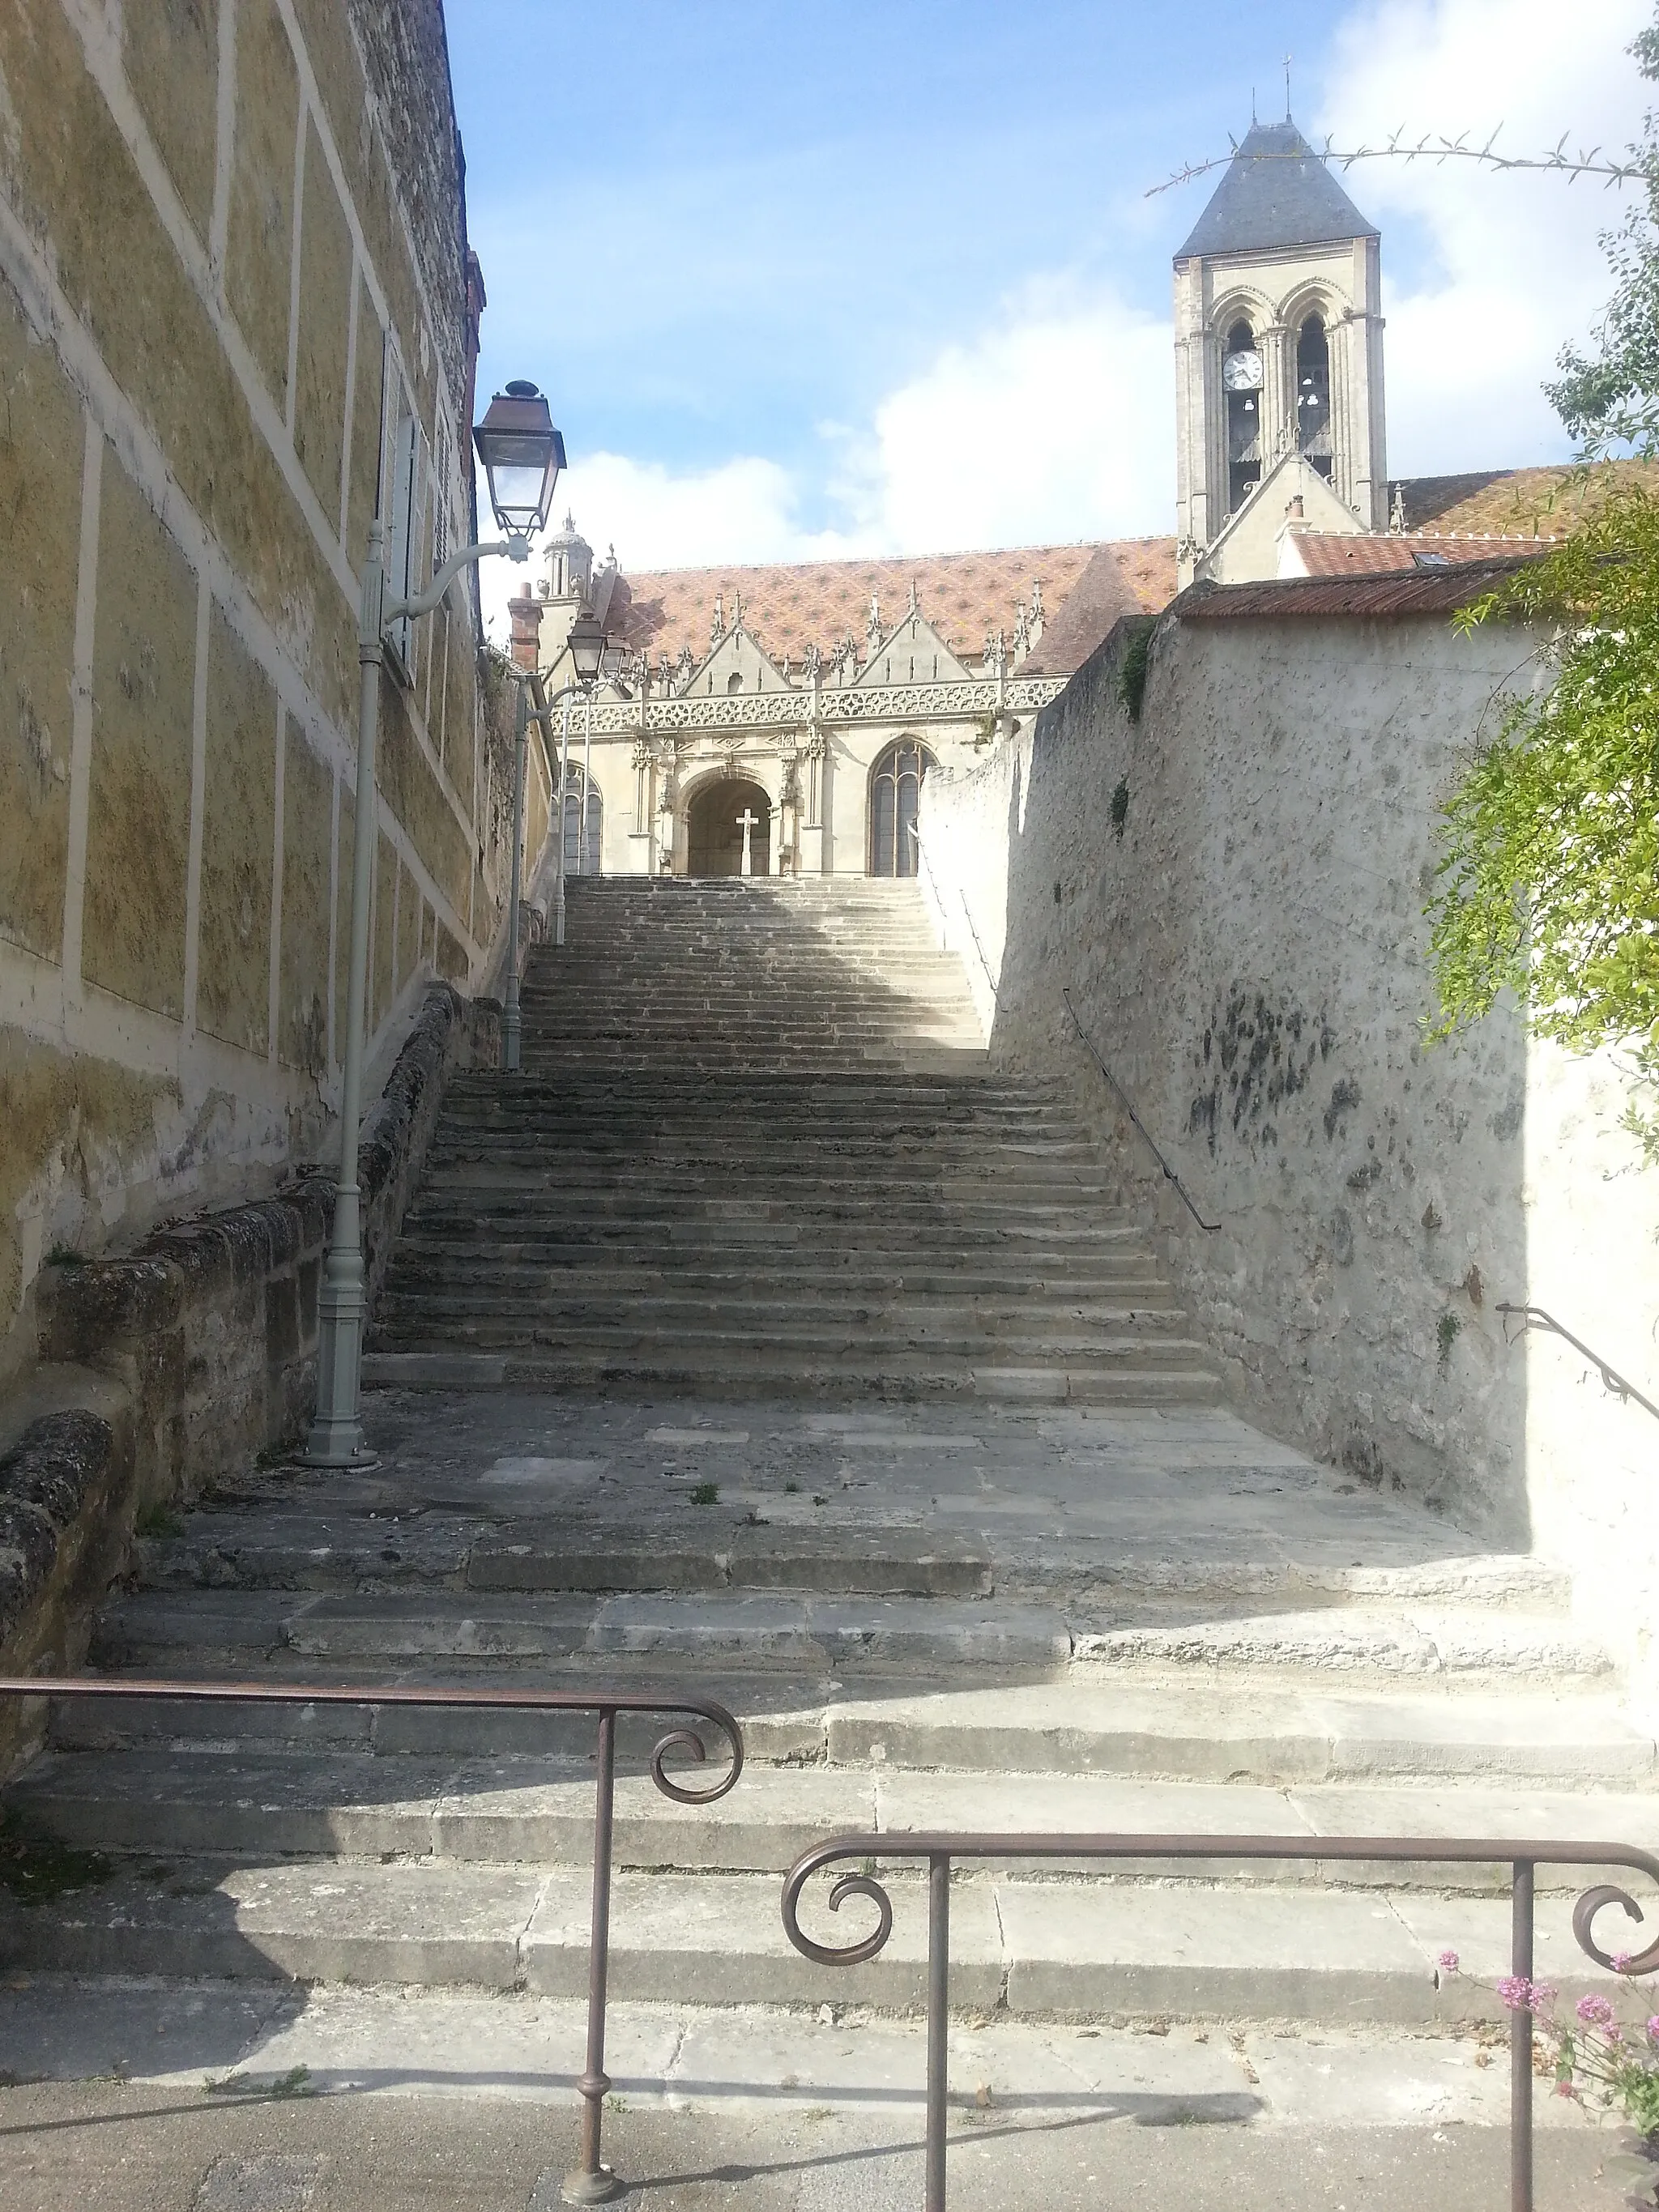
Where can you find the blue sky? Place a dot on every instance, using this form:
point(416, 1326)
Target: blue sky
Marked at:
point(808, 277)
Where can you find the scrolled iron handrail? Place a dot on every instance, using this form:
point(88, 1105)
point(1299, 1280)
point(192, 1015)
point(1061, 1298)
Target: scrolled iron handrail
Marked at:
point(591, 2182)
point(940, 1849)
point(1535, 1317)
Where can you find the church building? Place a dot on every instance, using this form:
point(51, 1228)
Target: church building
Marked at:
point(779, 720)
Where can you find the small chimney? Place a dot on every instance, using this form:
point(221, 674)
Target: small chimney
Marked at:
point(1293, 512)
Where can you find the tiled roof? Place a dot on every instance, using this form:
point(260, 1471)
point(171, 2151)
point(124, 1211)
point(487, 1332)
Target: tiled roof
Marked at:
point(1522, 502)
point(966, 596)
point(1327, 553)
point(1377, 598)
point(1276, 191)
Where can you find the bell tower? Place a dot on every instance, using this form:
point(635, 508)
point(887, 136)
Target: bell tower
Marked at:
point(1278, 347)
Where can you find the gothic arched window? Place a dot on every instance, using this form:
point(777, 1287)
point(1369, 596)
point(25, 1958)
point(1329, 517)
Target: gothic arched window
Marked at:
point(1241, 378)
point(895, 799)
point(1313, 394)
point(583, 828)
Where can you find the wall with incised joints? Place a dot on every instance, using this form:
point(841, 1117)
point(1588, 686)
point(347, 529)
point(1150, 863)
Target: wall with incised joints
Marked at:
point(233, 257)
point(1232, 889)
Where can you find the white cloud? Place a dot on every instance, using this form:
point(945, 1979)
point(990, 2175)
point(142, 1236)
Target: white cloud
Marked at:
point(1519, 271)
point(1057, 422)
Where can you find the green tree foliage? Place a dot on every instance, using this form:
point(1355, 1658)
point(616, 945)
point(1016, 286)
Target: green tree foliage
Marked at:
point(1548, 878)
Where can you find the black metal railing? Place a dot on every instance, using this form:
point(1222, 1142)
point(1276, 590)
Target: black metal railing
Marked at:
point(1535, 1317)
point(591, 2182)
point(1523, 1856)
point(1127, 1104)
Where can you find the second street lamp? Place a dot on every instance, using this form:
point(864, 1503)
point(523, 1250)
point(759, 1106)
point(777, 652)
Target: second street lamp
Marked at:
point(522, 454)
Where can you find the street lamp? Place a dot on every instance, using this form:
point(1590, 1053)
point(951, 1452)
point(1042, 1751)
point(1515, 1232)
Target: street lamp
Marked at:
point(522, 454)
point(587, 643)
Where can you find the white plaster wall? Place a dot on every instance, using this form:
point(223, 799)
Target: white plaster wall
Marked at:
point(1250, 957)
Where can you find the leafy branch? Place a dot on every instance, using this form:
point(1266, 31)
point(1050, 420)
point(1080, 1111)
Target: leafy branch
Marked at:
point(1590, 162)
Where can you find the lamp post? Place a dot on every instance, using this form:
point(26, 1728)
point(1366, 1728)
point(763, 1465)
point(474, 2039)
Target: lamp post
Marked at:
point(522, 454)
point(588, 646)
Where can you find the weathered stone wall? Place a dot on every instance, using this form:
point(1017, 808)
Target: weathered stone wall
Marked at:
point(1231, 891)
point(231, 259)
point(189, 1354)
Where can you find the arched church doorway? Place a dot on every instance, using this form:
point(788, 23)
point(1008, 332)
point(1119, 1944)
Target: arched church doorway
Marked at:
point(714, 829)
point(895, 799)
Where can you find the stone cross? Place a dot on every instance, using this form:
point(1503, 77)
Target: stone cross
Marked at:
point(748, 823)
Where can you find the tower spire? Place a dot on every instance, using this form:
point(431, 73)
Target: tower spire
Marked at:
point(1287, 87)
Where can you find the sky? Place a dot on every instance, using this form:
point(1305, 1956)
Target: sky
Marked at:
point(809, 278)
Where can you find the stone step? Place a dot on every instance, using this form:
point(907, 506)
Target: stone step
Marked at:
point(435, 1360)
point(524, 1295)
point(1029, 1949)
point(816, 1600)
point(1349, 1728)
point(539, 1812)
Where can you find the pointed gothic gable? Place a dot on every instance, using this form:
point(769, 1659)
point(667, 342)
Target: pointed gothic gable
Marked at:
point(1246, 548)
point(736, 654)
point(914, 652)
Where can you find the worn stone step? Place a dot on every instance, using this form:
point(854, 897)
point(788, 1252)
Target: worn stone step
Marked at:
point(1273, 1731)
point(428, 1360)
point(1033, 1949)
point(539, 1812)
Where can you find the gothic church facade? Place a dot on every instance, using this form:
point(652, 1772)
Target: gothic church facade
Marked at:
point(780, 719)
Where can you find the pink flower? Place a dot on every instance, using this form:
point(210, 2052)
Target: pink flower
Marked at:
point(1448, 1962)
point(1653, 2028)
point(1621, 1962)
point(1522, 1996)
point(1594, 2012)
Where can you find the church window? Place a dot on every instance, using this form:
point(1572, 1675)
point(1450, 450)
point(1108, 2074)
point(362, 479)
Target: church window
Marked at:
point(734, 681)
point(583, 828)
point(894, 800)
point(1241, 376)
point(1313, 394)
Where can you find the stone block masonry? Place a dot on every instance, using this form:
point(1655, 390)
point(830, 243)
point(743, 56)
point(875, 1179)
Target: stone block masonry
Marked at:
point(181, 1359)
point(1231, 888)
point(232, 259)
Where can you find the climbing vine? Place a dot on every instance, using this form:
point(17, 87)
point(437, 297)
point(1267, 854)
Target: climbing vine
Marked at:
point(1547, 881)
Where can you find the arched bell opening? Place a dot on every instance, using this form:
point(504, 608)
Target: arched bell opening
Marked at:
point(1313, 394)
point(1241, 381)
point(715, 829)
point(894, 802)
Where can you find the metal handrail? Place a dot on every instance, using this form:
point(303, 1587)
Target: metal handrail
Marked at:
point(591, 2182)
point(1523, 1856)
point(1535, 1317)
point(1170, 1174)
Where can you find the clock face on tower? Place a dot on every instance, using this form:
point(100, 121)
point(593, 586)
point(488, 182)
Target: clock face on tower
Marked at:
point(1241, 372)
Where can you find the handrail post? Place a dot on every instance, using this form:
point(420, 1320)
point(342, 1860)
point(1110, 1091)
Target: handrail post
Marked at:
point(592, 2182)
point(1520, 1949)
point(938, 2022)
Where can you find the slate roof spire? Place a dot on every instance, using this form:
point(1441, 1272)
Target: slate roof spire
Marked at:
point(1276, 191)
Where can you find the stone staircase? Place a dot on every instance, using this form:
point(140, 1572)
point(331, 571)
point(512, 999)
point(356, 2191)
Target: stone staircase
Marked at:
point(1112, 1622)
point(755, 1148)
point(1064, 1594)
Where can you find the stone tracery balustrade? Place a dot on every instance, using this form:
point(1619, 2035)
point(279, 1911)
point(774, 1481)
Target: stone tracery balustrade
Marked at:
point(795, 710)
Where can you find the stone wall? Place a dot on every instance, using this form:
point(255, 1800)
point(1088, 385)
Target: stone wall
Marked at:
point(1231, 888)
point(188, 1355)
point(233, 259)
